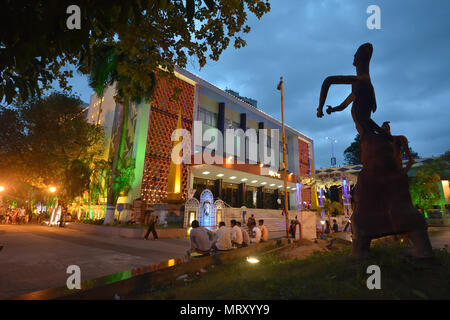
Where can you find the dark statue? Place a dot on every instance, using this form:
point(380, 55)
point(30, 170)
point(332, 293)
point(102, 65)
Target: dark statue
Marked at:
point(383, 204)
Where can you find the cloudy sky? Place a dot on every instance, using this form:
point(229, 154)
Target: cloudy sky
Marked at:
point(306, 40)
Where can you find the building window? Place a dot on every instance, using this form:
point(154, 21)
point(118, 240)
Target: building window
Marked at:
point(207, 117)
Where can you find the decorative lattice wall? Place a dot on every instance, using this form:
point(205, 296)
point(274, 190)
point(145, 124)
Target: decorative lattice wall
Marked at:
point(163, 121)
point(303, 150)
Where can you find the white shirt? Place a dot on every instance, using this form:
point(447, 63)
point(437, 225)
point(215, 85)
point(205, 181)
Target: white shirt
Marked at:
point(256, 235)
point(236, 234)
point(223, 236)
point(200, 239)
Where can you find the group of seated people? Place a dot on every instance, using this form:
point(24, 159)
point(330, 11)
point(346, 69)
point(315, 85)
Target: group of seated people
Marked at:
point(225, 238)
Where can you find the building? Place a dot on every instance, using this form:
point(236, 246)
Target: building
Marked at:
point(202, 106)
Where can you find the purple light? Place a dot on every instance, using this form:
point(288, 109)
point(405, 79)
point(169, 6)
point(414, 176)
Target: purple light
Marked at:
point(345, 190)
point(321, 197)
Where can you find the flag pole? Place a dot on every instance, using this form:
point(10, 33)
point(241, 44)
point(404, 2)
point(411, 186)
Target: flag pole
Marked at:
point(286, 201)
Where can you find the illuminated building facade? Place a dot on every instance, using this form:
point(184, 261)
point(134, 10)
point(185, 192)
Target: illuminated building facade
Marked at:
point(249, 184)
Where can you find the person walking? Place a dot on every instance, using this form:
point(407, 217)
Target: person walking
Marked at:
point(151, 226)
point(22, 215)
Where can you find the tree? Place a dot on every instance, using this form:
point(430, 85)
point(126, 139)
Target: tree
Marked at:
point(352, 155)
point(57, 144)
point(424, 187)
point(135, 37)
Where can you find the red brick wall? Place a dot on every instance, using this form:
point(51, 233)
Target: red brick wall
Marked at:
point(163, 120)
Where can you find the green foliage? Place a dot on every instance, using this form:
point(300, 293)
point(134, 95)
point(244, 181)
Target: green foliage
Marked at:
point(100, 178)
point(331, 208)
point(133, 37)
point(122, 179)
point(424, 187)
point(49, 142)
point(352, 155)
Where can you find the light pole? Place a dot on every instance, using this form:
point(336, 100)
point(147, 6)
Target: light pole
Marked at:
point(333, 158)
point(286, 200)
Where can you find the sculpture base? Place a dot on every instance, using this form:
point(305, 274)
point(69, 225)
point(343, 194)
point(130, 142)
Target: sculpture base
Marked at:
point(383, 203)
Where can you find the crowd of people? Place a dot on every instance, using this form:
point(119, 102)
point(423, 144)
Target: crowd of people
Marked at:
point(14, 215)
point(225, 238)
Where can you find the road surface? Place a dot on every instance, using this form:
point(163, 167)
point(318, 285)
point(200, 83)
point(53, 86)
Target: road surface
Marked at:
point(36, 257)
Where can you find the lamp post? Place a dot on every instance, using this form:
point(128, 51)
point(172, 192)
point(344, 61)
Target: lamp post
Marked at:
point(286, 201)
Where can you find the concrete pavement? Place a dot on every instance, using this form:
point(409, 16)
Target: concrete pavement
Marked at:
point(36, 257)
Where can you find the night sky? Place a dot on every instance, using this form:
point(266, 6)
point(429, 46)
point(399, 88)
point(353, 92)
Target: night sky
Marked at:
point(305, 41)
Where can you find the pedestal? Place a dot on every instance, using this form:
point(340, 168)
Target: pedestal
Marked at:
point(308, 221)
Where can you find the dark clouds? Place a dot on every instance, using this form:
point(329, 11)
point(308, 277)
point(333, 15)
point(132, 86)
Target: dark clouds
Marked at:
point(305, 41)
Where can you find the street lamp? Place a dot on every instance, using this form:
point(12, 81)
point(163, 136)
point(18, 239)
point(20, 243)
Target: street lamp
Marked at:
point(52, 189)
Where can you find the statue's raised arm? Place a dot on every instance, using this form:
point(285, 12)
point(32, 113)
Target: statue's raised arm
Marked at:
point(362, 95)
point(326, 86)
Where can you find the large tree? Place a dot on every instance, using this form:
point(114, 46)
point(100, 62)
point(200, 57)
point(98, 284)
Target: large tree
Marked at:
point(49, 142)
point(133, 37)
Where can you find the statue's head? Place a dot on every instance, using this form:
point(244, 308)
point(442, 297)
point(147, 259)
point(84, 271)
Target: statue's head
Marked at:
point(363, 54)
point(386, 127)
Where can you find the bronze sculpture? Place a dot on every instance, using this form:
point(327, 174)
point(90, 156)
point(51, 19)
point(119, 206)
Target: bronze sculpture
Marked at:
point(383, 204)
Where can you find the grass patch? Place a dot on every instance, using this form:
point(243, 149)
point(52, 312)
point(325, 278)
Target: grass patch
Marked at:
point(322, 275)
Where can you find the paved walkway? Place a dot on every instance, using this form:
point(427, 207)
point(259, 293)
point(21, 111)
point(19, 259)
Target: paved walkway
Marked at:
point(36, 257)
